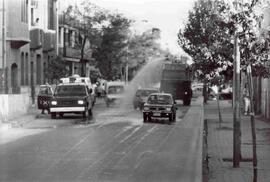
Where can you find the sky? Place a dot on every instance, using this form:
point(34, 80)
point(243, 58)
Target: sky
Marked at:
point(167, 15)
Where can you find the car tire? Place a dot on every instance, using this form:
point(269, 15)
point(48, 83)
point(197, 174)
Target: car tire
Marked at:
point(61, 115)
point(186, 102)
point(90, 113)
point(145, 118)
point(174, 117)
point(171, 117)
point(84, 114)
point(53, 115)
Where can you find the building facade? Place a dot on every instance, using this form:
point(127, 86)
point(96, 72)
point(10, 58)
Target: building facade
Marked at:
point(70, 42)
point(28, 40)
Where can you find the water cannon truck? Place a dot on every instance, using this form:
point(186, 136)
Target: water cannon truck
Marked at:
point(176, 79)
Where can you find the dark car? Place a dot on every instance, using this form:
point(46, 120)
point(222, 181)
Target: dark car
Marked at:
point(71, 98)
point(141, 96)
point(45, 94)
point(161, 105)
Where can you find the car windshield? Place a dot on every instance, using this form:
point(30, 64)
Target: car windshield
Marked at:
point(70, 90)
point(115, 89)
point(44, 90)
point(159, 99)
point(145, 93)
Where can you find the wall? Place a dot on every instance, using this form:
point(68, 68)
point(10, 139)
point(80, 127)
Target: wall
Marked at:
point(7, 103)
point(15, 23)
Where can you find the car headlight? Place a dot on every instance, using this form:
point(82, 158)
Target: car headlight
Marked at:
point(168, 109)
point(146, 108)
point(54, 102)
point(80, 102)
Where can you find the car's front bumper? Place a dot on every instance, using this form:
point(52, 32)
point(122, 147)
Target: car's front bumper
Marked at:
point(67, 109)
point(157, 114)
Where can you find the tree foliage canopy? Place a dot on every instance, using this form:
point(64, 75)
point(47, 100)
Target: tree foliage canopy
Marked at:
point(209, 33)
point(55, 69)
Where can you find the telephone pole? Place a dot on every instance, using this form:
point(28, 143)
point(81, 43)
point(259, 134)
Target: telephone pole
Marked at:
point(236, 106)
point(236, 103)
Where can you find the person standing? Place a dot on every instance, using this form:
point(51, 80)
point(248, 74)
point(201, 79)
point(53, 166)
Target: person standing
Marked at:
point(246, 97)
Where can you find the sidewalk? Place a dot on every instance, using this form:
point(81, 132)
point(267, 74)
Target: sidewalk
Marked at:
point(220, 145)
point(32, 114)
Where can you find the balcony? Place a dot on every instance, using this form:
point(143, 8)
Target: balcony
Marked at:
point(49, 41)
point(37, 38)
point(17, 30)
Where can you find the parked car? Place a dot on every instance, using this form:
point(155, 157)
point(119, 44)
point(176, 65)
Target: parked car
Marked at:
point(141, 96)
point(45, 94)
point(114, 92)
point(71, 98)
point(161, 105)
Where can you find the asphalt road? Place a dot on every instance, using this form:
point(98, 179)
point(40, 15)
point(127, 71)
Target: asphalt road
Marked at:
point(114, 146)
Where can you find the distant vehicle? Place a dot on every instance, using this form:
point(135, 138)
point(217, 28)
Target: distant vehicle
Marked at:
point(114, 92)
point(226, 92)
point(159, 105)
point(176, 79)
point(141, 96)
point(45, 94)
point(77, 79)
point(71, 98)
point(197, 89)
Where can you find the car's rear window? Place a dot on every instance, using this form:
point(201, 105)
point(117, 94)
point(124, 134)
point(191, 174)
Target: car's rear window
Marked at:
point(115, 89)
point(44, 90)
point(70, 90)
point(145, 93)
point(159, 99)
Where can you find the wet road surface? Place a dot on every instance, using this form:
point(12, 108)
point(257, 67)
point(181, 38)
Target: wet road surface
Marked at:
point(114, 146)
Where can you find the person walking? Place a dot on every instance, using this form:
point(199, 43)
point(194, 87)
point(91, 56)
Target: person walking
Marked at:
point(246, 97)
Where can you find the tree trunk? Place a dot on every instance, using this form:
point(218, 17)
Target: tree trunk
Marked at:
point(219, 111)
point(252, 121)
point(83, 63)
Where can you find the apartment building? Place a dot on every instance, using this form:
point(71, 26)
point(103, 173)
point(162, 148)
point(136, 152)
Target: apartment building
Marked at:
point(69, 47)
point(28, 41)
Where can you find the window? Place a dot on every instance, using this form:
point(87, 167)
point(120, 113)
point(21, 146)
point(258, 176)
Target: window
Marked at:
point(22, 69)
point(38, 69)
point(32, 17)
point(51, 14)
point(26, 69)
point(24, 11)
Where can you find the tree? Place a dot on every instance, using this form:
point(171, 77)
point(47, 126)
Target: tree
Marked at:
point(207, 38)
point(110, 53)
point(88, 19)
point(208, 35)
point(55, 70)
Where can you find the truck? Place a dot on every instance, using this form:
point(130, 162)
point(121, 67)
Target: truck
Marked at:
point(176, 79)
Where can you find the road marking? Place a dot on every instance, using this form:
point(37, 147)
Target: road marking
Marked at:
point(131, 134)
point(66, 153)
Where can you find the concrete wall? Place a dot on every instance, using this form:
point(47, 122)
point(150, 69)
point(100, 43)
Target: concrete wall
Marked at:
point(15, 22)
point(12, 106)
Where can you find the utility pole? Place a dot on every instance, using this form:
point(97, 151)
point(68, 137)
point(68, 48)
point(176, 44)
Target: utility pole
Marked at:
point(236, 106)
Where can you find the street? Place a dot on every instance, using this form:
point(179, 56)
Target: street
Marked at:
point(114, 146)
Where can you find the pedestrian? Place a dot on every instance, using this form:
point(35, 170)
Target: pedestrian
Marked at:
point(246, 98)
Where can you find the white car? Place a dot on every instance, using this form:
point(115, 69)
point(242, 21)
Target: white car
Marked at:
point(114, 92)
